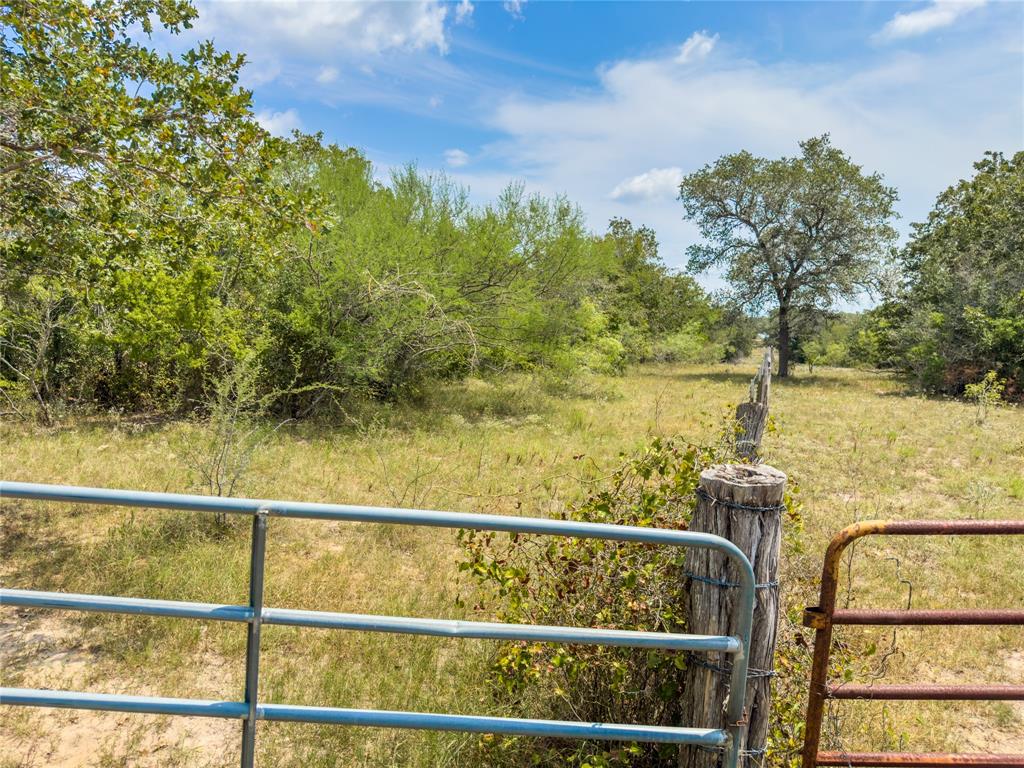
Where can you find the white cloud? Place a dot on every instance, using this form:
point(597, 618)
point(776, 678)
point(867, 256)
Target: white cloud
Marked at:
point(255, 74)
point(434, 102)
point(320, 27)
point(655, 183)
point(514, 8)
point(279, 123)
point(463, 11)
point(920, 119)
point(697, 47)
point(456, 158)
point(387, 53)
point(327, 75)
point(938, 14)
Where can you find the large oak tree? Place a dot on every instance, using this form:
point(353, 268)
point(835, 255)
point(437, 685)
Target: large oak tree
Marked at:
point(797, 232)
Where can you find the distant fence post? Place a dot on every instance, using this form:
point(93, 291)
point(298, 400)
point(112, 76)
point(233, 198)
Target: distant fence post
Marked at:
point(752, 416)
point(743, 504)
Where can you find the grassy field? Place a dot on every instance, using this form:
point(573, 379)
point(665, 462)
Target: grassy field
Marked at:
point(852, 442)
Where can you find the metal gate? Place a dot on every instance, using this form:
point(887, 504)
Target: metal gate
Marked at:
point(824, 616)
point(729, 740)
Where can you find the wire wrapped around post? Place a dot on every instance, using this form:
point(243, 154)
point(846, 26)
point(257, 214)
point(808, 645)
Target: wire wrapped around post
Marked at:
point(752, 416)
point(743, 504)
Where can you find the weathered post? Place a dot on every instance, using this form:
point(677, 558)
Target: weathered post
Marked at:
point(743, 504)
point(752, 415)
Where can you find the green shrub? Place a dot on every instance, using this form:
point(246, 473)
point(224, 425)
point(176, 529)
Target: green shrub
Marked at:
point(595, 349)
point(637, 345)
point(960, 311)
point(689, 345)
point(985, 394)
point(605, 354)
point(596, 583)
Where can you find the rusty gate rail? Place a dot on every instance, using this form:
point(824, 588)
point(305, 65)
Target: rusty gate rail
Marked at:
point(824, 616)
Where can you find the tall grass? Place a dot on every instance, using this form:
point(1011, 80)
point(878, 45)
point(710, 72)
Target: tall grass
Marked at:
point(854, 445)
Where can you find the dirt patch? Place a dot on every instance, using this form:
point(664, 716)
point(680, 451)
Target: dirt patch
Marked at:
point(45, 650)
point(41, 647)
point(81, 739)
point(978, 734)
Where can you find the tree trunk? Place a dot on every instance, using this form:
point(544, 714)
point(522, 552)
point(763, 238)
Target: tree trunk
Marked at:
point(742, 504)
point(783, 341)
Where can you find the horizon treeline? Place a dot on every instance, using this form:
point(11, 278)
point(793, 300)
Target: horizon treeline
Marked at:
point(953, 314)
point(387, 287)
point(159, 245)
point(156, 242)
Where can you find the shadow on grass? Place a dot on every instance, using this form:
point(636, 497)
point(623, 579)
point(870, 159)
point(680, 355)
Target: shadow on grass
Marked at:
point(798, 380)
point(100, 422)
point(514, 399)
point(32, 547)
point(739, 379)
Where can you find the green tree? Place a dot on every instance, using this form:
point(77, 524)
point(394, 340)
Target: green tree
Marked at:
point(410, 283)
point(961, 311)
point(798, 232)
point(644, 293)
point(138, 201)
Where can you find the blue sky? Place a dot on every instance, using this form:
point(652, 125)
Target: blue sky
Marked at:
point(610, 103)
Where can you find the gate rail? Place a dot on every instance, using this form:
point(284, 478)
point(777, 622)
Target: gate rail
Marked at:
point(824, 616)
point(729, 739)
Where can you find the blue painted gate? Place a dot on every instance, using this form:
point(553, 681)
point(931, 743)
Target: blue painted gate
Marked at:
point(255, 615)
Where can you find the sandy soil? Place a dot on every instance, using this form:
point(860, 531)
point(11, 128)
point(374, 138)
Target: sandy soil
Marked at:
point(43, 650)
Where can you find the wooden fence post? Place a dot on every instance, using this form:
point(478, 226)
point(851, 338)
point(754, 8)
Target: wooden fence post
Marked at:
point(753, 414)
point(743, 504)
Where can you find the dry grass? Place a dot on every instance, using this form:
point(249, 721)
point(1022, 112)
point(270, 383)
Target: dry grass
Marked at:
point(852, 443)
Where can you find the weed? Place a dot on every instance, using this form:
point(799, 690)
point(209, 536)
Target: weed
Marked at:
point(986, 394)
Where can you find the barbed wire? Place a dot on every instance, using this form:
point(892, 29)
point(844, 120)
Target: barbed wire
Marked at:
point(702, 494)
point(726, 669)
point(728, 584)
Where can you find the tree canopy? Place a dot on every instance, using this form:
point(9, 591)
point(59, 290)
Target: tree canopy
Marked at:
point(799, 233)
point(94, 124)
point(137, 191)
point(960, 312)
point(156, 238)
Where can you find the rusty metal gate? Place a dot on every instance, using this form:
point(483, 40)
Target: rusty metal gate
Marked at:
point(824, 616)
